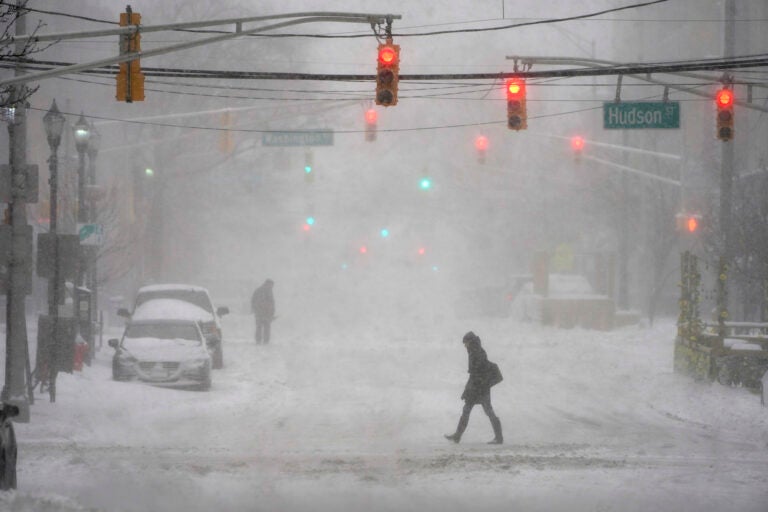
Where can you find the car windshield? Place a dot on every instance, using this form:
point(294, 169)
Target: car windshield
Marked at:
point(197, 297)
point(164, 331)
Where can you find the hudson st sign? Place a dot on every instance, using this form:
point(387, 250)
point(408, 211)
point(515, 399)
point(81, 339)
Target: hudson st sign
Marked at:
point(641, 114)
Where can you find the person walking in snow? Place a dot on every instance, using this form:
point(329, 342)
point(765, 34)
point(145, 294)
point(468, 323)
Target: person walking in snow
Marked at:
point(263, 307)
point(483, 374)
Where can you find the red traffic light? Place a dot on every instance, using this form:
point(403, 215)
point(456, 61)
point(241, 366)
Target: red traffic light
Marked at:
point(724, 98)
point(387, 74)
point(481, 143)
point(577, 143)
point(517, 115)
point(371, 116)
point(688, 222)
point(387, 55)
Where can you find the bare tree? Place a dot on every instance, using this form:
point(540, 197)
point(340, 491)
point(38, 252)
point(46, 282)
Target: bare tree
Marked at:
point(13, 54)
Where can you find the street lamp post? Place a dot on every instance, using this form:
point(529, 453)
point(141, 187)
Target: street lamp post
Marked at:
point(54, 126)
point(82, 137)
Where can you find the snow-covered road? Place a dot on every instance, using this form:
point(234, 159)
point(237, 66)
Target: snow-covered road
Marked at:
point(352, 419)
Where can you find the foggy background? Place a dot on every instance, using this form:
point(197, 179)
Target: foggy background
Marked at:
point(226, 212)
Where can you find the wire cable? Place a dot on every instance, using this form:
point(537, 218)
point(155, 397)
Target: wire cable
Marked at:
point(362, 35)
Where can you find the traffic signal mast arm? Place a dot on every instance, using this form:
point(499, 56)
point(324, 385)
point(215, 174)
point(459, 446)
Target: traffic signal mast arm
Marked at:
point(309, 17)
point(632, 170)
point(639, 72)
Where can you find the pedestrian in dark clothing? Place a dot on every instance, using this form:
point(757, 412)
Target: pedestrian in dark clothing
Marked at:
point(263, 307)
point(483, 374)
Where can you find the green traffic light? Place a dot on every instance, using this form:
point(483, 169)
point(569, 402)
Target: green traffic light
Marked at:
point(425, 184)
point(149, 172)
point(308, 169)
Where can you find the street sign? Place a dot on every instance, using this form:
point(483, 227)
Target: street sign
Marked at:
point(90, 234)
point(641, 114)
point(298, 138)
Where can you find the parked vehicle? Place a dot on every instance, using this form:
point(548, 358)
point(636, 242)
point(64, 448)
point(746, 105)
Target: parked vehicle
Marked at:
point(185, 302)
point(8, 449)
point(163, 351)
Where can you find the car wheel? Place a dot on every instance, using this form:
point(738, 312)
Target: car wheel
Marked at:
point(205, 385)
point(8, 453)
point(218, 357)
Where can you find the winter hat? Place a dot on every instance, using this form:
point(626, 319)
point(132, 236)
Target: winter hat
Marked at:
point(471, 337)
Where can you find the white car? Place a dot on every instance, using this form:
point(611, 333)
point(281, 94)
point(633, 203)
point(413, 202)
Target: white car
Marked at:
point(167, 352)
point(182, 301)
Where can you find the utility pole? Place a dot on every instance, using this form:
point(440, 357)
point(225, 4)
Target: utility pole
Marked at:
point(623, 295)
point(16, 356)
point(726, 182)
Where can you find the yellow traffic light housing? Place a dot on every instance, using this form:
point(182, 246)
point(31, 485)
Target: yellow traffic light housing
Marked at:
point(387, 74)
point(130, 79)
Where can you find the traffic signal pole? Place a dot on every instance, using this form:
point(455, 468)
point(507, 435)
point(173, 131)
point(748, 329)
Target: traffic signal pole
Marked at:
point(726, 185)
point(16, 355)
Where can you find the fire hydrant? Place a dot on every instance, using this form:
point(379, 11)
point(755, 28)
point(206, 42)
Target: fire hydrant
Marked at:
point(81, 350)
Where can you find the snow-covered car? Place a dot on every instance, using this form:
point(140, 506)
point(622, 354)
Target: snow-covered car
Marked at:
point(162, 351)
point(182, 301)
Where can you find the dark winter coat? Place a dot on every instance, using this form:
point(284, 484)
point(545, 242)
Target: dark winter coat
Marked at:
point(263, 302)
point(481, 374)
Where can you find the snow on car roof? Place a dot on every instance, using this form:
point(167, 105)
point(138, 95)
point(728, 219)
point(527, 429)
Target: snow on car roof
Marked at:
point(161, 287)
point(169, 308)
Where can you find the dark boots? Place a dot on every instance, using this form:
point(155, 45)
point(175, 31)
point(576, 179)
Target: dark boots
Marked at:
point(495, 423)
point(498, 437)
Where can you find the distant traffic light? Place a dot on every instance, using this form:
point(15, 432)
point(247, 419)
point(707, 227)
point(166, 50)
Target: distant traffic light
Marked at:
point(481, 145)
point(309, 171)
point(387, 74)
point(225, 138)
point(384, 233)
point(688, 222)
point(724, 101)
point(425, 183)
point(130, 79)
point(692, 224)
point(577, 145)
point(517, 116)
point(371, 116)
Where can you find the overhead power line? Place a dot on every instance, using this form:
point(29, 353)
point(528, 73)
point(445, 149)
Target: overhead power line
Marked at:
point(719, 64)
point(398, 34)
